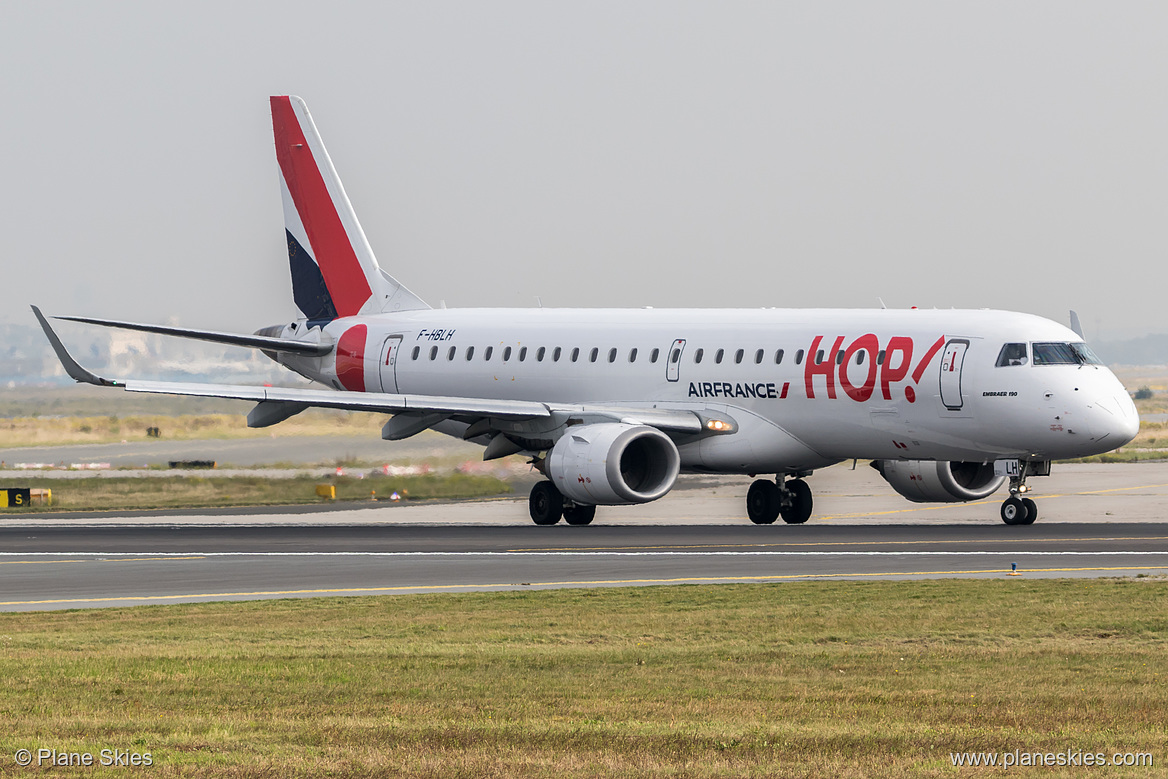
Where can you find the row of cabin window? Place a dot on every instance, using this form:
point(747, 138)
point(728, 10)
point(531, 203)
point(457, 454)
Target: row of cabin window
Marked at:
point(540, 354)
point(654, 355)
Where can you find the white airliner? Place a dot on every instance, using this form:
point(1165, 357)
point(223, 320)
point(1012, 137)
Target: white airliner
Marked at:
point(612, 404)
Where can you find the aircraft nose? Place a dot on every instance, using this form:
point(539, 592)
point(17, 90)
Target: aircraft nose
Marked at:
point(1115, 419)
point(1129, 418)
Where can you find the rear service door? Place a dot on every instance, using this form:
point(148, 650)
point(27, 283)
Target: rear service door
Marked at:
point(387, 366)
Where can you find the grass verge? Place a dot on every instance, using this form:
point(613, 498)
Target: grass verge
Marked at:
point(113, 493)
point(835, 679)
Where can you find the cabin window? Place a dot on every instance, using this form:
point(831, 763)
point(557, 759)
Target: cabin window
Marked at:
point(576, 354)
point(612, 355)
point(880, 357)
point(719, 355)
point(799, 357)
point(758, 357)
point(676, 356)
point(469, 353)
point(487, 354)
point(522, 353)
point(839, 358)
point(653, 355)
point(539, 353)
point(417, 351)
point(433, 352)
point(779, 357)
point(738, 356)
point(506, 354)
point(450, 354)
point(632, 355)
point(1014, 354)
point(860, 357)
point(593, 354)
point(698, 356)
point(556, 354)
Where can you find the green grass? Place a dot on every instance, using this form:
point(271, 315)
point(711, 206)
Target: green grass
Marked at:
point(800, 679)
point(114, 493)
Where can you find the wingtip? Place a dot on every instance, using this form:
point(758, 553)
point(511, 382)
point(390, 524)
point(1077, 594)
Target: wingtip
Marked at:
point(71, 366)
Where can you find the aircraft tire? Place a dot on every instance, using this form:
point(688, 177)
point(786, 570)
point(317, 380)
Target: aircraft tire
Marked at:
point(763, 502)
point(545, 504)
point(1014, 512)
point(802, 503)
point(1031, 511)
point(579, 515)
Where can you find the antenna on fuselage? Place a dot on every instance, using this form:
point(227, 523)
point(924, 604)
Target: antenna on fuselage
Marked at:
point(881, 300)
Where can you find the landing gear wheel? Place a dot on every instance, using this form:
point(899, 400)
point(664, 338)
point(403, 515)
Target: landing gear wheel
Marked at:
point(762, 502)
point(1015, 512)
point(546, 504)
point(579, 515)
point(799, 509)
point(1031, 511)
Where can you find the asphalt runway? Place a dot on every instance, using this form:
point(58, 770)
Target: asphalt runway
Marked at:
point(52, 568)
point(1096, 520)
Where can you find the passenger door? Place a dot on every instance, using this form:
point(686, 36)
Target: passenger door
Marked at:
point(952, 362)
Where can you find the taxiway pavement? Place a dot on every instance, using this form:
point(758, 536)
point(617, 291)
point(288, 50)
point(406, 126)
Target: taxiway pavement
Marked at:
point(1096, 520)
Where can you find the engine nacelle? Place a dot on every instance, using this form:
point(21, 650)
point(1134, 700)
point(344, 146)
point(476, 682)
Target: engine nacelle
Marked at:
point(613, 464)
point(929, 481)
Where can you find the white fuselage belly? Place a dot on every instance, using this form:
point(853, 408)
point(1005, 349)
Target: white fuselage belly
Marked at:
point(915, 385)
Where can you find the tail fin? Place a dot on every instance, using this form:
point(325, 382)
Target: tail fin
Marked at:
point(334, 272)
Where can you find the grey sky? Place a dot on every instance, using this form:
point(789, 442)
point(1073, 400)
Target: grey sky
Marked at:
point(991, 154)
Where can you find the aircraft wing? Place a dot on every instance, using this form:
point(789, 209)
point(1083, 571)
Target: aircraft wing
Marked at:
point(422, 411)
point(265, 342)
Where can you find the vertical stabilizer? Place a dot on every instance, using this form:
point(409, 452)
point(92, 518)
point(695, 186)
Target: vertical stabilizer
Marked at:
point(334, 272)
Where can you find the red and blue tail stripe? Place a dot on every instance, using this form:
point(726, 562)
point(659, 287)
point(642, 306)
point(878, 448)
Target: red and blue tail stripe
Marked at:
point(328, 279)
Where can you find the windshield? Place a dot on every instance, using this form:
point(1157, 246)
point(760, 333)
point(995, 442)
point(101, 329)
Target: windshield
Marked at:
point(1064, 354)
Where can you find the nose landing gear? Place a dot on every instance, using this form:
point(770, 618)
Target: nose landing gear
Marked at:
point(1017, 510)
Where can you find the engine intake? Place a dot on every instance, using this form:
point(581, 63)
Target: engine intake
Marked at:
point(613, 464)
point(939, 481)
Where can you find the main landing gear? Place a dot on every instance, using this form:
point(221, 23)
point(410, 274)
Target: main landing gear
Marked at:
point(766, 501)
point(547, 505)
point(1017, 510)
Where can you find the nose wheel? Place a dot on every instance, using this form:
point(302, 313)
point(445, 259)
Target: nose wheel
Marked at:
point(1017, 510)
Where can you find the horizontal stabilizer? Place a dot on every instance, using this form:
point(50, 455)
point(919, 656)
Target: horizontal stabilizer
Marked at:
point(267, 343)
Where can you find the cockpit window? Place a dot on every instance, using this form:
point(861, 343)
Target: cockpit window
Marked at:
point(1012, 354)
point(1086, 356)
point(1064, 354)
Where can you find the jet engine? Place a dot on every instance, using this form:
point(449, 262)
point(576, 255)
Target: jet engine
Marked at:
point(611, 464)
point(930, 481)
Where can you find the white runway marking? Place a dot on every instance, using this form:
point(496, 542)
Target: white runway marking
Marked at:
point(136, 556)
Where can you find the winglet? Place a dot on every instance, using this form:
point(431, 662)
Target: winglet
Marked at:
point(72, 367)
point(1076, 325)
